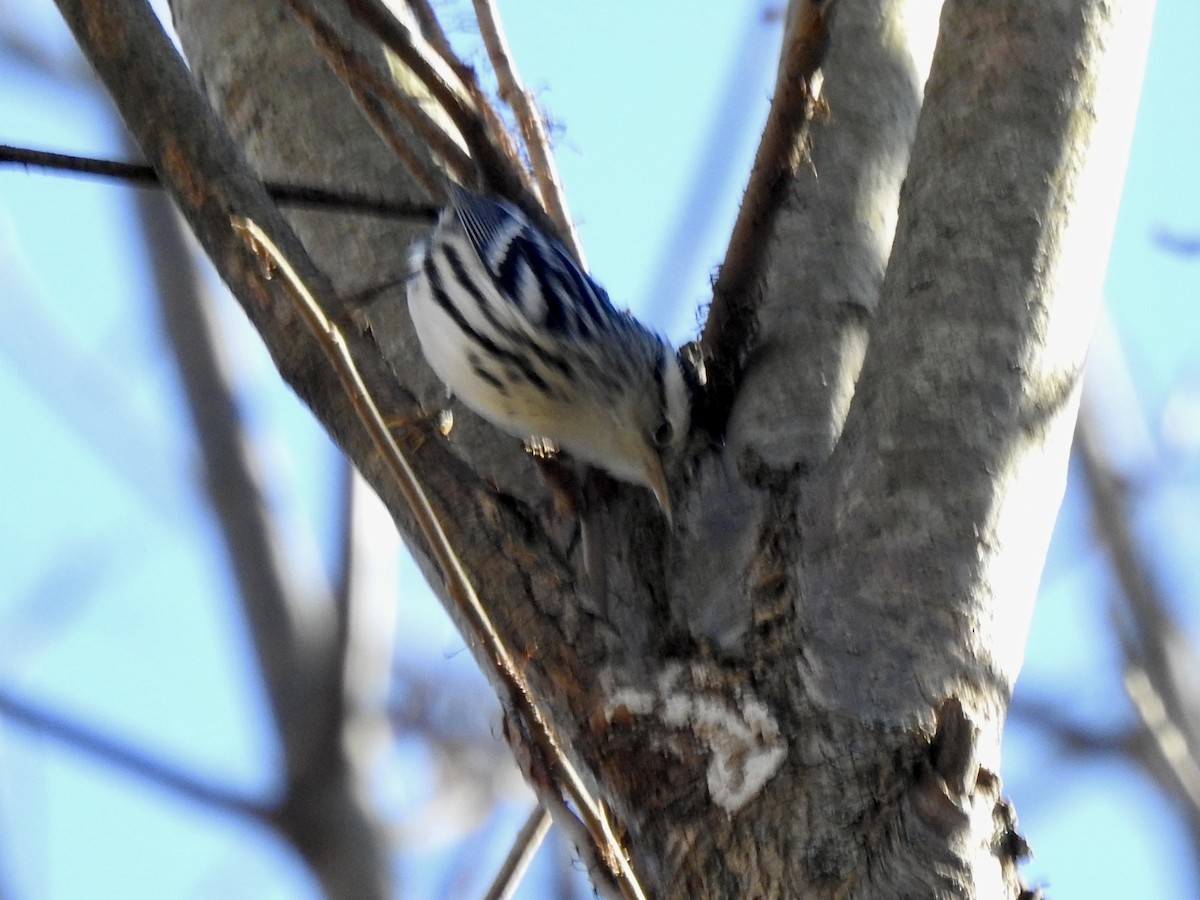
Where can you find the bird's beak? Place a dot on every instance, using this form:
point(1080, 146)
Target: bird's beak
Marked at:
point(658, 483)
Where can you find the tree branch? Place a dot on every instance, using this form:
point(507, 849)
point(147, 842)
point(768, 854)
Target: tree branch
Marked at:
point(968, 394)
point(295, 656)
point(142, 175)
point(431, 29)
point(210, 184)
point(529, 118)
point(730, 328)
point(377, 16)
point(129, 760)
point(368, 86)
point(502, 662)
point(525, 845)
point(1153, 644)
point(464, 105)
point(925, 534)
point(824, 256)
point(852, 741)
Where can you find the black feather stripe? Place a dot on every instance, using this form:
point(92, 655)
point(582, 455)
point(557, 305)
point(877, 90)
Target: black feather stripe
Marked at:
point(509, 247)
point(518, 362)
point(559, 322)
point(464, 280)
point(523, 257)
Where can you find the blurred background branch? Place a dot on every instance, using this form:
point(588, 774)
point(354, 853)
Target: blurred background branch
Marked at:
point(131, 602)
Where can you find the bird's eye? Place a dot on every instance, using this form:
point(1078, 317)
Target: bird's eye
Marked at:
point(662, 434)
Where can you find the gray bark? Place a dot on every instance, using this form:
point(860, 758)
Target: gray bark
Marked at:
point(836, 734)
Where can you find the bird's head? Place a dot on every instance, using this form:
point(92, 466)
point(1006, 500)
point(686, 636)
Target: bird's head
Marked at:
point(648, 425)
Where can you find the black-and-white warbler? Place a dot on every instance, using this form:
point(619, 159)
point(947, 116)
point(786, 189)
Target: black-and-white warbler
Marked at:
point(525, 338)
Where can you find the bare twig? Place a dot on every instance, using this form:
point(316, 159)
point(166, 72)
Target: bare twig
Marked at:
point(133, 173)
point(1153, 625)
point(1150, 637)
point(435, 72)
point(574, 831)
point(431, 30)
point(322, 813)
point(529, 118)
point(509, 673)
point(454, 97)
point(1074, 738)
point(1158, 659)
point(128, 759)
point(1181, 243)
point(730, 326)
point(1170, 739)
point(368, 86)
point(140, 174)
point(459, 96)
point(271, 597)
point(525, 845)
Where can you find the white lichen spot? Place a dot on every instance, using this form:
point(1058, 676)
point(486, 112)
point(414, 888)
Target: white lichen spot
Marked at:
point(739, 731)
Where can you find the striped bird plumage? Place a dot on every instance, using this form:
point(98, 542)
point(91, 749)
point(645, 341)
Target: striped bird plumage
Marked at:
point(525, 338)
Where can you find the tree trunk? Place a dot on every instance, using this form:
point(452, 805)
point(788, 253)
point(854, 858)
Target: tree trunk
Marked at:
point(800, 690)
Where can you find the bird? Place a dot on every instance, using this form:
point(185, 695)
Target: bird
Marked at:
point(524, 337)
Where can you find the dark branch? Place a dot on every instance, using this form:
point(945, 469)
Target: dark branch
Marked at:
point(730, 328)
point(142, 175)
point(127, 759)
point(322, 814)
point(374, 91)
point(503, 662)
point(459, 97)
point(1151, 639)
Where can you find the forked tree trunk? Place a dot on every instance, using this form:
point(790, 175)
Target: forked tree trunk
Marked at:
point(800, 691)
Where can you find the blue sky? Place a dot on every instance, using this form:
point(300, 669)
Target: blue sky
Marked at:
point(113, 612)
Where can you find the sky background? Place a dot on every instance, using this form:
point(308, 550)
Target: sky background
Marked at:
point(114, 613)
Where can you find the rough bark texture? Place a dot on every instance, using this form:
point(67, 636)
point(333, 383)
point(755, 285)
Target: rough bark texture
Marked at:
point(820, 717)
point(832, 241)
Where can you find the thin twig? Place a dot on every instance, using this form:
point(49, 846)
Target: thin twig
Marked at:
point(499, 169)
point(270, 595)
point(529, 118)
point(323, 813)
point(431, 30)
point(437, 74)
point(1150, 675)
point(730, 326)
point(1074, 738)
point(367, 85)
point(525, 845)
point(439, 78)
point(1152, 643)
point(1135, 743)
point(128, 759)
point(433, 33)
point(1181, 243)
point(575, 832)
point(1111, 515)
point(1169, 738)
point(519, 692)
point(140, 174)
